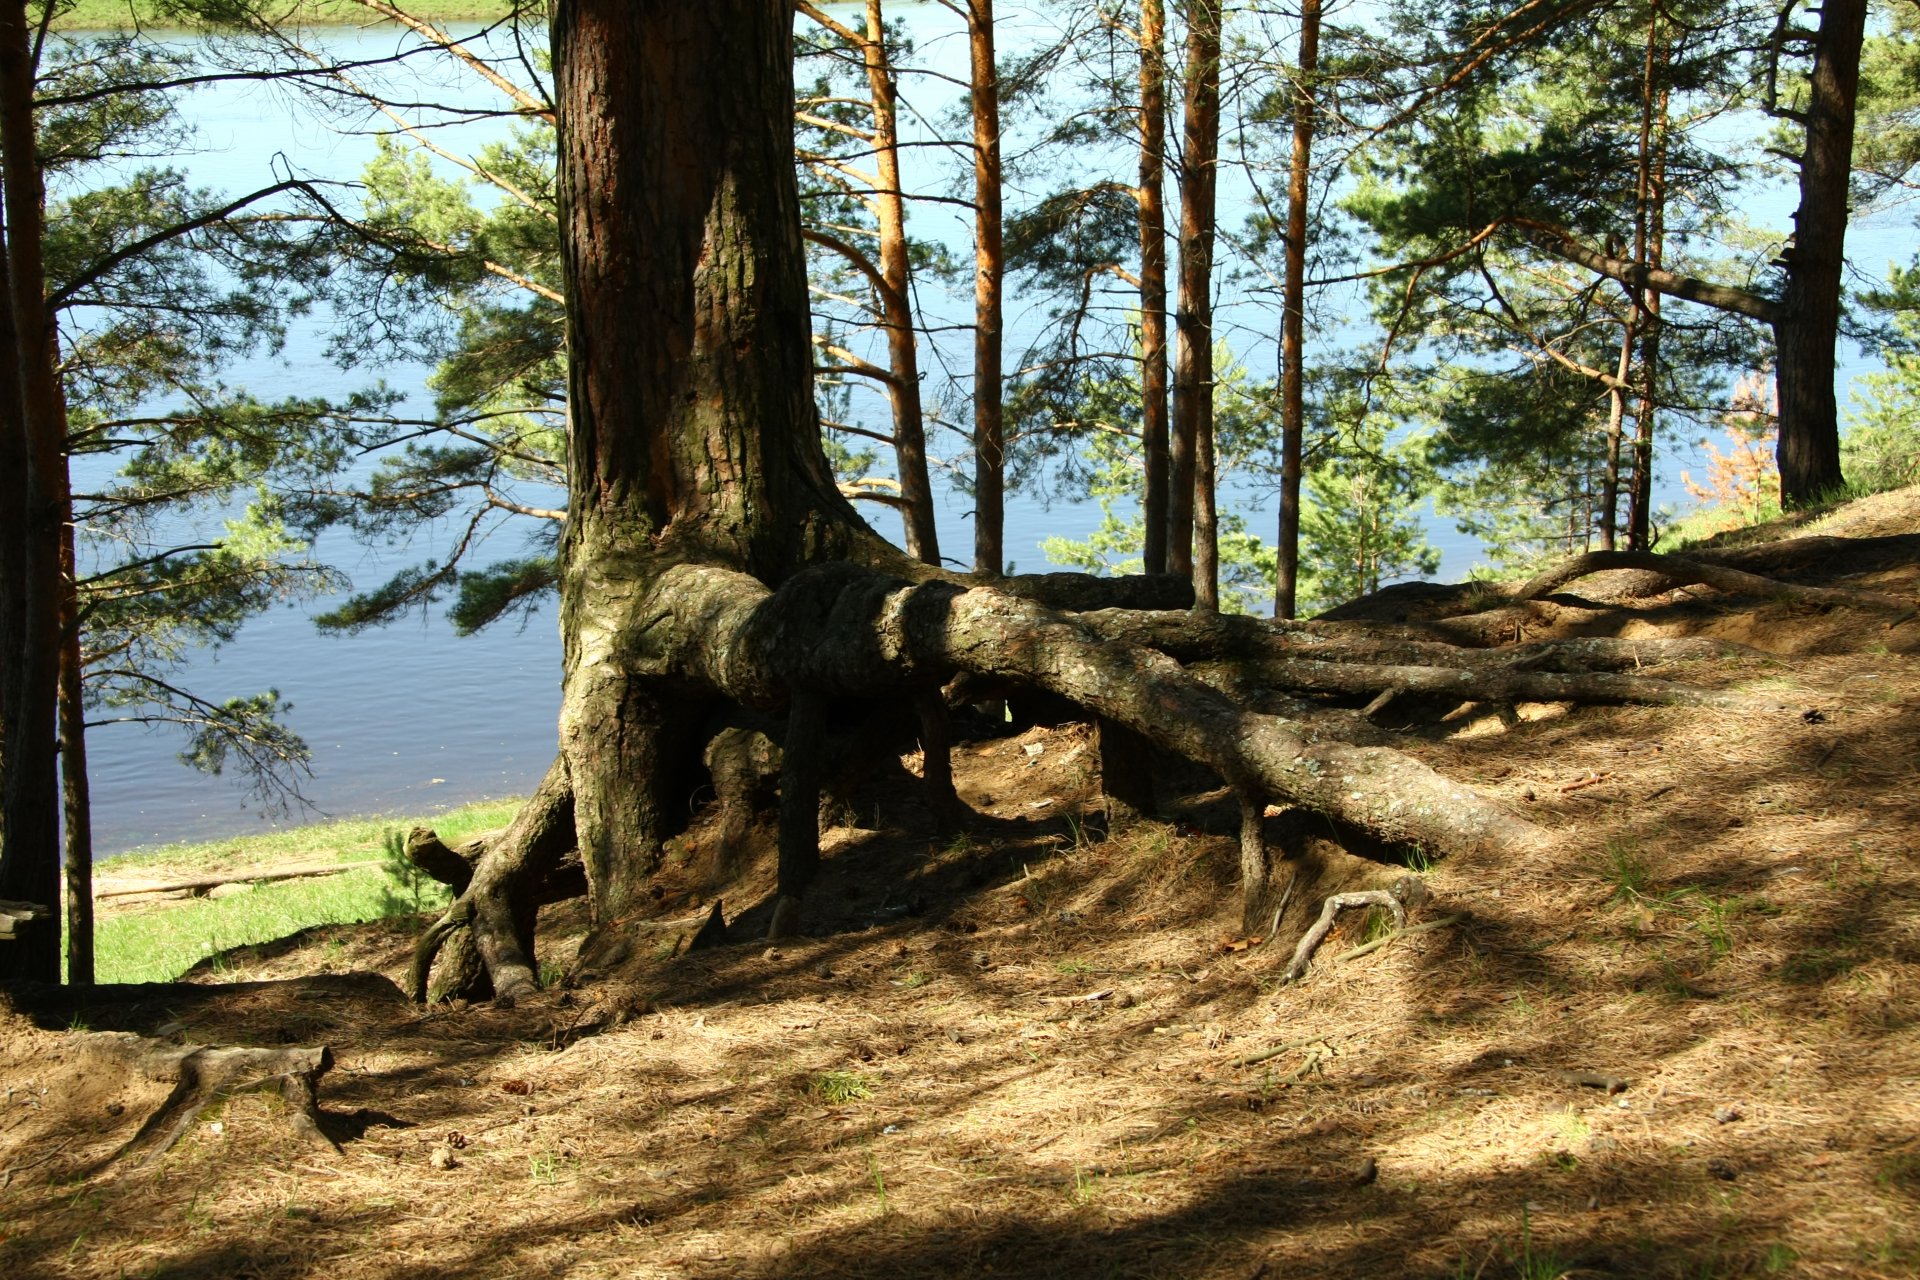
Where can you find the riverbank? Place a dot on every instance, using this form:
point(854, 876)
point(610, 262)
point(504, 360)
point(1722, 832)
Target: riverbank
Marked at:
point(157, 936)
point(121, 15)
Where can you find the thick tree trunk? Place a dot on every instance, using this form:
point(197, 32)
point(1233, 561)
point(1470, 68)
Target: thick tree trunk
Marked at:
point(708, 556)
point(1153, 283)
point(34, 420)
point(1190, 548)
point(1293, 416)
point(1809, 448)
point(692, 433)
point(989, 425)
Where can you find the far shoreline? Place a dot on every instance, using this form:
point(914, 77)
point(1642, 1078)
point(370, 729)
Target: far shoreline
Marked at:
point(131, 15)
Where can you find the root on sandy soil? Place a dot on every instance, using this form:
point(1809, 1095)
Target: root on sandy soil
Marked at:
point(1679, 571)
point(207, 1076)
point(1406, 892)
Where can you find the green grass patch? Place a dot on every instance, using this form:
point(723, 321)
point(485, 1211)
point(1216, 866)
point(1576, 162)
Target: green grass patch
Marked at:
point(839, 1087)
point(123, 15)
point(163, 942)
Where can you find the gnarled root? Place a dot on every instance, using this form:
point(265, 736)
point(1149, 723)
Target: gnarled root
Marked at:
point(1406, 891)
point(519, 872)
point(205, 1076)
point(1680, 572)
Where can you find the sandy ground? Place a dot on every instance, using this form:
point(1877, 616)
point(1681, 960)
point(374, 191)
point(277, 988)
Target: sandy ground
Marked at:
point(1027, 1051)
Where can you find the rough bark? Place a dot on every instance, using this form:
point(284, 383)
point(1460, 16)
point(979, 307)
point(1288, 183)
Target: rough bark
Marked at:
point(1293, 417)
point(1305, 675)
point(1188, 638)
point(692, 433)
point(708, 558)
point(841, 629)
point(36, 426)
point(1153, 283)
point(1809, 447)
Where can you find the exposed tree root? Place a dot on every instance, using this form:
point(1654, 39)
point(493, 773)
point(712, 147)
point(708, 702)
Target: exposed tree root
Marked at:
point(1680, 572)
point(841, 630)
point(1224, 637)
point(1492, 684)
point(1406, 891)
point(512, 876)
point(205, 1076)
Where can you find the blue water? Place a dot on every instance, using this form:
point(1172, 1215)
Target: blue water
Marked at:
point(410, 718)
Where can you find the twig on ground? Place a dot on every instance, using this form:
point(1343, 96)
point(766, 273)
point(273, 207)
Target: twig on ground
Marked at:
point(6, 1175)
point(1366, 948)
point(1253, 1059)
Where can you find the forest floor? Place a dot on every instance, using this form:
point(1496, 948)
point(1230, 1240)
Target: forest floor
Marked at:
point(1031, 1050)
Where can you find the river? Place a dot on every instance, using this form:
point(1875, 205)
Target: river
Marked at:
point(410, 718)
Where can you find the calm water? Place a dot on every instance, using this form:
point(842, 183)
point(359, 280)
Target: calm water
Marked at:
point(411, 718)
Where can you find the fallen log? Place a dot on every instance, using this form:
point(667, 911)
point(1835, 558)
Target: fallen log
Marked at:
point(201, 884)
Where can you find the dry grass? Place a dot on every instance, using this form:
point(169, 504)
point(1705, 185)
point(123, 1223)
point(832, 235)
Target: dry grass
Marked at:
point(1729, 920)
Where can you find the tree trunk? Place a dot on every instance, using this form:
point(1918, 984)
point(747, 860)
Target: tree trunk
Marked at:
point(76, 803)
point(989, 425)
point(1649, 245)
point(1153, 283)
point(35, 422)
point(1189, 544)
point(693, 433)
point(708, 555)
point(1809, 447)
point(909, 423)
point(1616, 417)
point(1293, 417)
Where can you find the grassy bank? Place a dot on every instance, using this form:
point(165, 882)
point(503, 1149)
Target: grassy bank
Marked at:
point(158, 940)
point(117, 15)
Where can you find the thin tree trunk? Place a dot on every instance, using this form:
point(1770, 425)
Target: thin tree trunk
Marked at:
point(30, 854)
point(909, 424)
point(1190, 550)
point(1293, 417)
point(76, 802)
point(989, 426)
point(1649, 245)
point(1809, 447)
point(1616, 417)
point(1153, 282)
